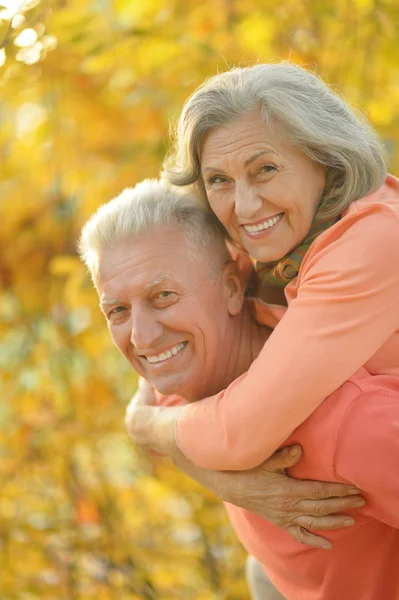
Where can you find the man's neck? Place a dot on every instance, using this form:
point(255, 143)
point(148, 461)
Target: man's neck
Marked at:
point(245, 343)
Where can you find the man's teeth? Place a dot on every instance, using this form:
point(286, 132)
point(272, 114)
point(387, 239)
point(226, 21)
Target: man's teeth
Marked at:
point(167, 354)
point(264, 225)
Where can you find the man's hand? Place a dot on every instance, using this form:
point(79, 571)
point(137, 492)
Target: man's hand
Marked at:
point(291, 504)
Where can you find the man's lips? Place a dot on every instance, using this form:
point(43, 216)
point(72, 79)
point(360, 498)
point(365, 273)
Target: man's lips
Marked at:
point(165, 354)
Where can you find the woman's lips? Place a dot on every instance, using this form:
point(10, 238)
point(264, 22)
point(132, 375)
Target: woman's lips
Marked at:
point(262, 227)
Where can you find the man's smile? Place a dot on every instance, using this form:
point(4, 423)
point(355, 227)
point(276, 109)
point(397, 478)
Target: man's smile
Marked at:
point(166, 354)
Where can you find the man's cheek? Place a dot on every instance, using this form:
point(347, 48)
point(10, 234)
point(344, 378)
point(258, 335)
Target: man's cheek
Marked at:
point(121, 342)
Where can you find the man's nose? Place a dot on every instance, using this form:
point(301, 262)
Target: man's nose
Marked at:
point(146, 330)
point(247, 201)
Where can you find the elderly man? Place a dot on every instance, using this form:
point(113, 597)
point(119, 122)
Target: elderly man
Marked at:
point(186, 329)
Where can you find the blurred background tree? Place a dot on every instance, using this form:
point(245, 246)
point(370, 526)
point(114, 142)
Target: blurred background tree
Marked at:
point(88, 89)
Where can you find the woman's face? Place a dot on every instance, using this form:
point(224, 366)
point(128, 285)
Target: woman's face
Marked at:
point(263, 189)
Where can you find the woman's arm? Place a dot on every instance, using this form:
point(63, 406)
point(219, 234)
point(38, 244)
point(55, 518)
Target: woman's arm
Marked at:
point(293, 505)
point(345, 310)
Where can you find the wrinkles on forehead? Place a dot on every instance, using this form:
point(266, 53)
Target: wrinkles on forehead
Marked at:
point(243, 140)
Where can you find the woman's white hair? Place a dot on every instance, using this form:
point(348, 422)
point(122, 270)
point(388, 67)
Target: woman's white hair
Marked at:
point(303, 109)
point(143, 210)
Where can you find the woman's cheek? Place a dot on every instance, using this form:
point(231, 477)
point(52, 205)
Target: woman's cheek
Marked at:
point(221, 210)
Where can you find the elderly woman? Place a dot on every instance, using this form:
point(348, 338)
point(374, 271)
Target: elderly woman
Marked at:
point(299, 182)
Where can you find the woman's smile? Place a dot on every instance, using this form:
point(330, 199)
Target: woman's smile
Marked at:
point(263, 189)
point(262, 228)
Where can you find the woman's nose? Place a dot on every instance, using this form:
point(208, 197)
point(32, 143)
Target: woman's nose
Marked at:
point(247, 201)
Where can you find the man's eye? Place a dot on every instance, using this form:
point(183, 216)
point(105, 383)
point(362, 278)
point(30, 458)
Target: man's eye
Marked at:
point(116, 310)
point(164, 298)
point(164, 294)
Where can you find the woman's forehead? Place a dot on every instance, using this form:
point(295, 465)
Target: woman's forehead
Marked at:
point(246, 139)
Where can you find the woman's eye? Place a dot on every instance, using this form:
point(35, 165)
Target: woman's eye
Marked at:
point(164, 294)
point(267, 169)
point(216, 179)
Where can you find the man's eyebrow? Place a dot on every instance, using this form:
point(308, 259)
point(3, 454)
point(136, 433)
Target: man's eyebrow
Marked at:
point(110, 302)
point(152, 284)
point(247, 162)
point(147, 287)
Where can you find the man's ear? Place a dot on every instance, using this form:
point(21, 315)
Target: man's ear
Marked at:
point(233, 287)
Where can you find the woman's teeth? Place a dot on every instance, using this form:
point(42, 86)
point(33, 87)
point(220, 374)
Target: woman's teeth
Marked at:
point(264, 225)
point(167, 354)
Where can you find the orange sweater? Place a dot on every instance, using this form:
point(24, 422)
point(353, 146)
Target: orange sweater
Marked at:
point(352, 437)
point(343, 313)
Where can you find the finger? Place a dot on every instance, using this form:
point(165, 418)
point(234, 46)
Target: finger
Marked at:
point(284, 458)
point(142, 383)
point(142, 397)
point(322, 508)
point(147, 391)
point(331, 522)
point(319, 490)
point(155, 453)
point(310, 539)
point(129, 412)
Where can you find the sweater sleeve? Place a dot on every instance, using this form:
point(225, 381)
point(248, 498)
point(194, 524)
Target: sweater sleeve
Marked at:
point(367, 452)
point(346, 308)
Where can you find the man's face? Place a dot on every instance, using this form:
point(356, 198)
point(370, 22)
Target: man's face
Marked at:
point(166, 314)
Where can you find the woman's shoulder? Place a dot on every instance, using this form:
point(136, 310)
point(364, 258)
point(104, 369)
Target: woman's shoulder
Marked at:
point(385, 200)
point(366, 238)
point(369, 221)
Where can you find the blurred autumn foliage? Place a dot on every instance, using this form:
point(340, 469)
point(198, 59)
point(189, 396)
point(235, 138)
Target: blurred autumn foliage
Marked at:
point(88, 89)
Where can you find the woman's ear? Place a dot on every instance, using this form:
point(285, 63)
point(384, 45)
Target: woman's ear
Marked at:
point(233, 287)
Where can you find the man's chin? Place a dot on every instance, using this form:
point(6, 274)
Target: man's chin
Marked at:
point(175, 388)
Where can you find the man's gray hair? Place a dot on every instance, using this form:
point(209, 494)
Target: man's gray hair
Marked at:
point(145, 209)
point(300, 106)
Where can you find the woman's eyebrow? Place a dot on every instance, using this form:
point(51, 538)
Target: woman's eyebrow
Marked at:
point(255, 156)
point(247, 162)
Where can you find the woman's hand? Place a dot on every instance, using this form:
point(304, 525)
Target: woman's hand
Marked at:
point(152, 427)
point(144, 396)
point(293, 505)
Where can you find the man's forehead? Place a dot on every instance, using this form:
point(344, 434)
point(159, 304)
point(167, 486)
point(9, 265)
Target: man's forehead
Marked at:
point(147, 262)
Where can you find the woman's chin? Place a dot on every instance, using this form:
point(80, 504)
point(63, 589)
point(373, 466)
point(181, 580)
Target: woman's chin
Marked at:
point(268, 253)
point(265, 255)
